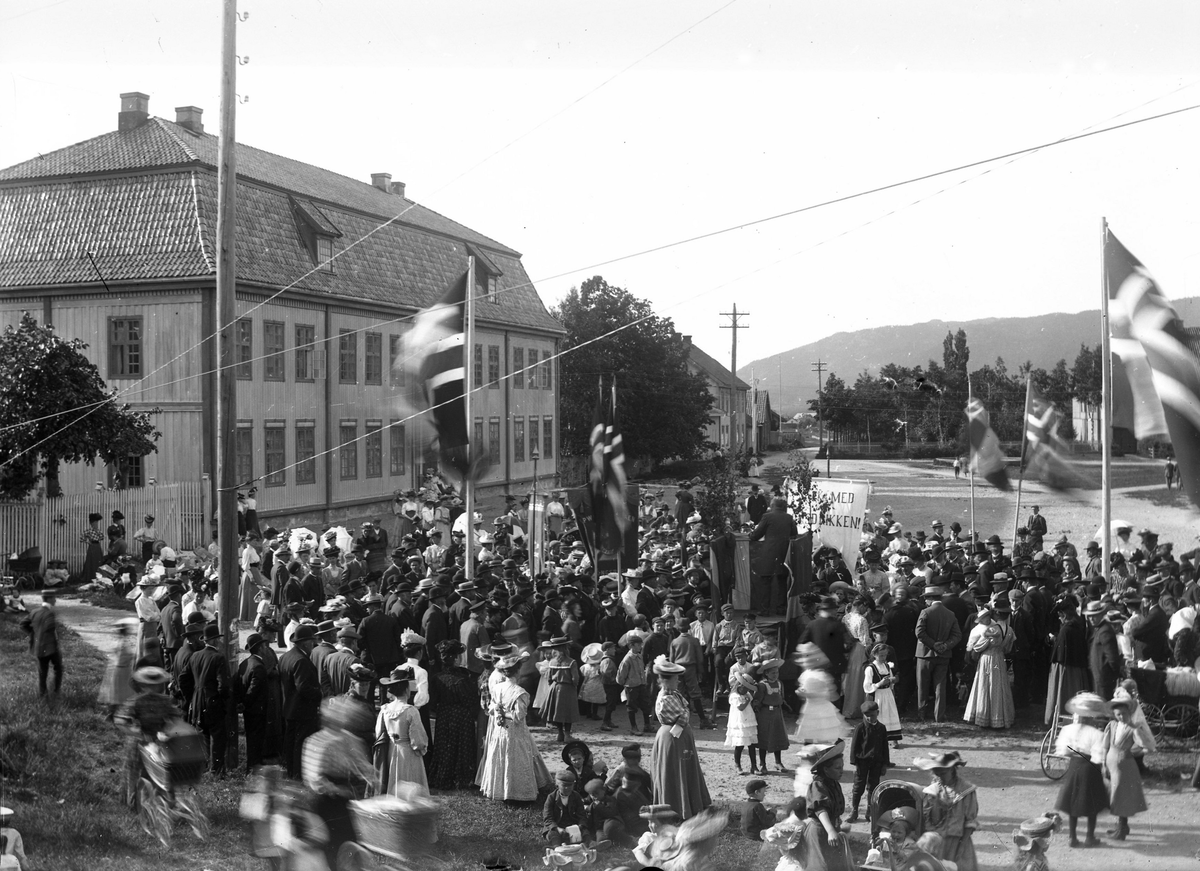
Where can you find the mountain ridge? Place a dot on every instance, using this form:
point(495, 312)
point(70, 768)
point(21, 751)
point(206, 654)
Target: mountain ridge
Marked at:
point(1041, 339)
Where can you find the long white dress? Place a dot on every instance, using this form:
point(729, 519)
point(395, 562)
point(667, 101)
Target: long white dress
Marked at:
point(513, 769)
point(399, 726)
point(884, 697)
point(820, 722)
point(742, 730)
point(991, 702)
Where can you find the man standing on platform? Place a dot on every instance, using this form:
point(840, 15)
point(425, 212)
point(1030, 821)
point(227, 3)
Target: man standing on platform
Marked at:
point(768, 594)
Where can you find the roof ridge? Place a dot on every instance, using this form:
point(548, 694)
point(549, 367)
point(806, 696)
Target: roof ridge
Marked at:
point(208, 261)
point(192, 155)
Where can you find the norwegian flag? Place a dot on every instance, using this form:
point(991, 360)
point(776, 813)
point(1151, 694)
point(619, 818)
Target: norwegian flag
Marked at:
point(1046, 449)
point(987, 459)
point(436, 357)
point(606, 478)
point(1175, 371)
point(614, 469)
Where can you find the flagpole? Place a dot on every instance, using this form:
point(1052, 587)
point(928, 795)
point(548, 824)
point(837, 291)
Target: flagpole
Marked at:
point(1105, 409)
point(621, 548)
point(1024, 442)
point(970, 465)
point(468, 387)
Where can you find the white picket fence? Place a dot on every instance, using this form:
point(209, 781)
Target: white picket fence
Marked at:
point(54, 525)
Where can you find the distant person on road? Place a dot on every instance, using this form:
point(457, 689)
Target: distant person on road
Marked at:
point(1169, 472)
point(42, 627)
point(957, 468)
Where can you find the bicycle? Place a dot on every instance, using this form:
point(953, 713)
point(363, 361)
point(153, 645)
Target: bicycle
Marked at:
point(167, 794)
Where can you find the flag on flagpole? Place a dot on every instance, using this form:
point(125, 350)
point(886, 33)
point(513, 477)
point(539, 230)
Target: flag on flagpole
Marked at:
point(598, 504)
point(987, 458)
point(436, 357)
point(1136, 406)
point(614, 471)
point(1154, 324)
point(1047, 451)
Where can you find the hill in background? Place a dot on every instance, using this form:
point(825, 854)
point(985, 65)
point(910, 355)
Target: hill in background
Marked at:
point(1042, 340)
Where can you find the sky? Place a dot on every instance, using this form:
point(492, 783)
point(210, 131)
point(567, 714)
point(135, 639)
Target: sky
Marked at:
point(584, 134)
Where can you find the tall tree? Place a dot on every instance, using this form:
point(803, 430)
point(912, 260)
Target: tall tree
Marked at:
point(55, 408)
point(664, 408)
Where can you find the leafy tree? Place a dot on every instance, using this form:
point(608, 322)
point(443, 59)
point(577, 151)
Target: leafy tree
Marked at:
point(835, 406)
point(811, 507)
point(1086, 384)
point(663, 408)
point(55, 408)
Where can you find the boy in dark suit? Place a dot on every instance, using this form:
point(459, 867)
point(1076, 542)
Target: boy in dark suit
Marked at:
point(755, 815)
point(564, 818)
point(869, 755)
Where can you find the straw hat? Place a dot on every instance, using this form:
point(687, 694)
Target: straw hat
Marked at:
point(939, 760)
point(593, 653)
point(664, 667)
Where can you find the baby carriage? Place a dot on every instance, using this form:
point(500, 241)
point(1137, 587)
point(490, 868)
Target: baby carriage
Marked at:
point(884, 855)
point(23, 570)
point(1169, 702)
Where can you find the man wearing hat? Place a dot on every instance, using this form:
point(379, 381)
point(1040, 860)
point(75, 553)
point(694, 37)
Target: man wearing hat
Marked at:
point(41, 625)
point(434, 625)
point(144, 538)
point(1036, 527)
point(250, 693)
point(335, 668)
point(776, 531)
point(326, 633)
point(301, 686)
point(170, 622)
point(181, 669)
point(210, 693)
point(1150, 634)
point(937, 634)
point(995, 562)
point(1104, 654)
point(473, 635)
point(380, 638)
point(833, 637)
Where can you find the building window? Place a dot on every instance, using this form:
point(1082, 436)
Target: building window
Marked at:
point(325, 254)
point(127, 472)
point(373, 365)
point(306, 337)
point(272, 351)
point(396, 361)
point(374, 448)
point(493, 366)
point(348, 452)
point(243, 349)
point(477, 442)
point(494, 441)
point(396, 448)
point(477, 367)
point(493, 289)
point(518, 444)
point(275, 453)
point(546, 364)
point(532, 367)
point(348, 357)
point(518, 368)
point(306, 452)
point(547, 438)
point(243, 450)
point(124, 347)
point(534, 431)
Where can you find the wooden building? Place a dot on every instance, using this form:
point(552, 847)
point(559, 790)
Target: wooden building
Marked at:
point(113, 241)
point(731, 426)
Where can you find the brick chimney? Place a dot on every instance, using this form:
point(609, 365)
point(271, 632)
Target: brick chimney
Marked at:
point(397, 187)
point(687, 341)
point(189, 117)
point(135, 110)
point(381, 180)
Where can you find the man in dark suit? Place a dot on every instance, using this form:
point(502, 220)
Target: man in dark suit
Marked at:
point(833, 637)
point(460, 612)
point(473, 635)
point(301, 687)
point(768, 595)
point(210, 693)
point(170, 623)
point(42, 627)
point(251, 695)
point(901, 620)
point(937, 633)
point(434, 626)
point(380, 642)
point(1150, 638)
point(1104, 654)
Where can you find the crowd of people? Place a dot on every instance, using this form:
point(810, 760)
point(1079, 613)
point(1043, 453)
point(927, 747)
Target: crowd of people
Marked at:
point(408, 674)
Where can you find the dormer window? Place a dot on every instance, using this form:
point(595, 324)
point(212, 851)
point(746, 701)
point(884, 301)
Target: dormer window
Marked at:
point(487, 276)
point(325, 259)
point(318, 233)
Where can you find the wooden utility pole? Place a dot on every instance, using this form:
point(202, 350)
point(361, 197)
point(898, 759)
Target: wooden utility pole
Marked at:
point(734, 325)
point(226, 476)
point(818, 366)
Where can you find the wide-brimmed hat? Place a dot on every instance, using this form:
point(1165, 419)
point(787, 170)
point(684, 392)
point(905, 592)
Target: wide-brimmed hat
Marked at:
point(593, 653)
point(408, 637)
point(1040, 827)
point(933, 592)
point(1095, 608)
point(939, 760)
point(745, 680)
point(576, 744)
point(768, 664)
point(510, 660)
point(830, 753)
point(151, 674)
point(663, 666)
point(556, 641)
point(400, 673)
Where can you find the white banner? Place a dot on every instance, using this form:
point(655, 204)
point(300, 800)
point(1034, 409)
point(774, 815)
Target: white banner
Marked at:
point(843, 528)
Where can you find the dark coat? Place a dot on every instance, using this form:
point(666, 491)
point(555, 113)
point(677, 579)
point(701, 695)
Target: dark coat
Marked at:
point(251, 683)
point(301, 686)
point(171, 625)
point(1151, 637)
point(834, 639)
point(775, 531)
point(210, 687)
point(1105, 660)
point(556, 815)
point(936, 625)
point(1071, 644)
point(901, 622)
point(335, 672)
point(380, 641)
point(42, 626)
point(436, 629)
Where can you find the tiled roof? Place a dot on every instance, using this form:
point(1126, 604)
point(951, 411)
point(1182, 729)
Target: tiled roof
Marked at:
point(160, 143)
point(713, 369)
point(163, 225)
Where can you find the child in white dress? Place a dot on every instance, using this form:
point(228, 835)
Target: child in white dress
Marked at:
point(820, 722)
point(742, 730)
point(878, 680)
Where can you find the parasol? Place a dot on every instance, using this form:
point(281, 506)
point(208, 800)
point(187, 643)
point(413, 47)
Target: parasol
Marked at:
point(1113, 525)
point(340, 537)
point(301, 536)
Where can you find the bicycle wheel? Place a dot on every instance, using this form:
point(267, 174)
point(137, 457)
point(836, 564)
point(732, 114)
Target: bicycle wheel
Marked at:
point(1054, 767)
point(191, 810)
point(1154, 720)
point(153, 813)
point(1181, 725)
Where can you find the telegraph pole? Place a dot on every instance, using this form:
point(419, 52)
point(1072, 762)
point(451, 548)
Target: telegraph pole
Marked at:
point(735, 325)
point(818, 366)
point(226, 301)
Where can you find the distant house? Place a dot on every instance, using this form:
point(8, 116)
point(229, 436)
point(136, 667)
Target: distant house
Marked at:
point(725, 430)
point(766, 423)
point(113, 240)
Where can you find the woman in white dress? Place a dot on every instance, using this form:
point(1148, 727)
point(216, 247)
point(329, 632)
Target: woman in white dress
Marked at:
point(742, 729)
point(878, 680)
point(820, 722)
point(400, 739)
point(513, 768)
point(148, 613)
point(860, 628)
point(991, 702)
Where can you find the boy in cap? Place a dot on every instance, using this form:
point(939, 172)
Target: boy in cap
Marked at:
point(563, 815)
point(725, 635)
point(631, 675)
point(755, 815)
point(868, 754)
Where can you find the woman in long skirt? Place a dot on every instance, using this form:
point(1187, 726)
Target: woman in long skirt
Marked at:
point(400, 740)
point(562, 702)
point(92, 537)
point(454, 697)
point(148, 612)
point(878, 679)
point(1120, 746)
point(951, 808)
point(1068, 660)
point(1083, 793)
point(820, 722)
point(990, 703)
point(116, 688)
point(674, 763)
point(828, 849)
point(513, 768)
point(251, 580)
point(768, 707)
point(860, 628)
